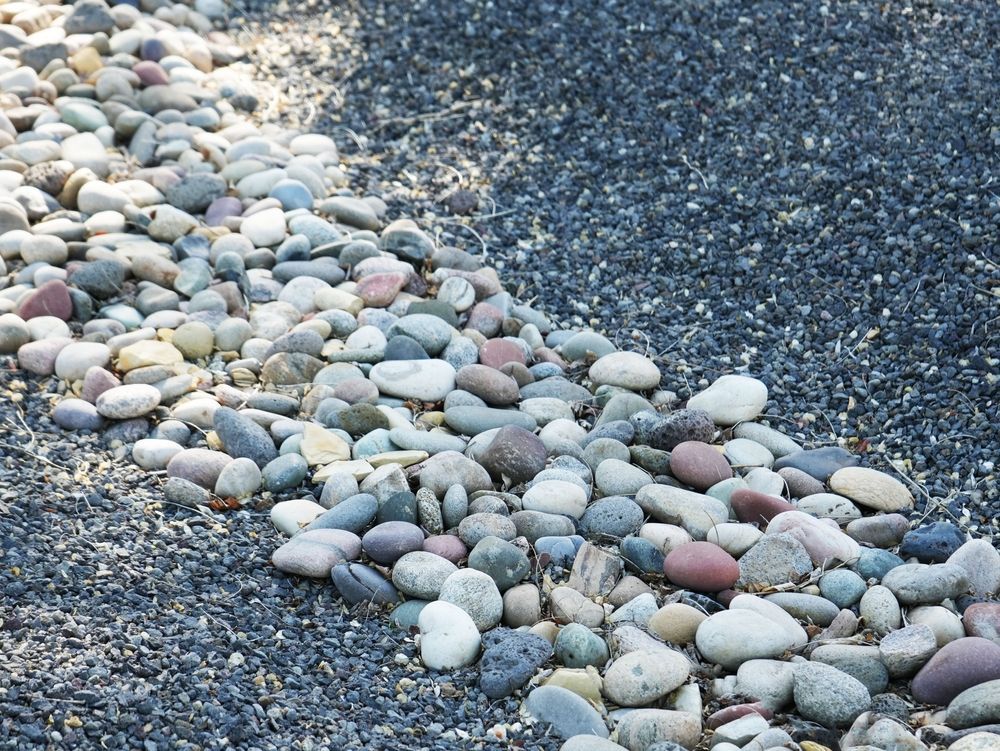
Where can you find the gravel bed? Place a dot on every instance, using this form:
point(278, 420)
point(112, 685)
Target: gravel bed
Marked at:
point(801, 191)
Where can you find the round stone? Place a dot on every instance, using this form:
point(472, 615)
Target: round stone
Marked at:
point(124, 402)
point(701, 566)
point(627, 370)
point(699, 465)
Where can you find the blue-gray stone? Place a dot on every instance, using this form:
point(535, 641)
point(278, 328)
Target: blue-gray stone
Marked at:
point(321, 268)
point(399, 507)
point(242, 437)
point(639, 553)
point(842, 587)
point(819, 463)
point(932, 543)
point(358, 583)
point(353, 514)
point(874, 563)
point(405, 615)
point(285, 472)
point(504, 563)
point(577, 647)
point(560, 550)
point(617, 516)
point(403, 347)
point(292, 194)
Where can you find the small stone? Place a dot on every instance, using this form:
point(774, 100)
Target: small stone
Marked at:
point(449, 638)
point(627, 370)
point(576, 646)
point(653, 729)
point(701, 566)
point(917, 583)
point(477, 594)
point(698, 465)
point(642, 677)
point(906, 650)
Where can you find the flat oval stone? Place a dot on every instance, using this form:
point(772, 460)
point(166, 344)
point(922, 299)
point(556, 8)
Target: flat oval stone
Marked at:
point(200, 466)
point(125, 402)
point(918, 583)
point(699, 465)
point(627, 370)
point(871, 488)
point(956, 667)
point(752, 507)
point(421, 574)
point(819, 463)
point(357, 584)
point(732, 637)
point(388, 542)
point(731, 399)
point(426, 380)
point(701, 566)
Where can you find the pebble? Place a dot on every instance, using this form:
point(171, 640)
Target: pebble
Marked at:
point(449, 638)
point(955, 667)
point(828, 696)
point(918, 583)
point(645, 729)
point(871, 488)
point(731, 399)
point(733, 637)
point(564, 713)
point(642, 677)
point(577, 646)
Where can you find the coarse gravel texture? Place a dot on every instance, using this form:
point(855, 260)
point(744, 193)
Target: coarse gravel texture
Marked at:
point(806, 192)
point(126, 623)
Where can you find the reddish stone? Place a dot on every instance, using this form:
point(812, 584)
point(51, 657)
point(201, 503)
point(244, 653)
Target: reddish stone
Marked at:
point(150, 73)
point(448, 547)
point(701, 566)
point(379, 290)
point(96, 381)
point(983, 619)
point(51, 299)
point(753, 507)
point(735, 712)
point(958, 665)
point(699, 465)
point(549, 355)
point(485, 318)
point(497, 352)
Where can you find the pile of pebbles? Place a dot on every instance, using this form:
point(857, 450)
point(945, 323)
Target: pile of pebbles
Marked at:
point(221, 304)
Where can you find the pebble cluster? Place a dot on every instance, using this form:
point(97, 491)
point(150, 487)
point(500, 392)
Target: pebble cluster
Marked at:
point(217, 298)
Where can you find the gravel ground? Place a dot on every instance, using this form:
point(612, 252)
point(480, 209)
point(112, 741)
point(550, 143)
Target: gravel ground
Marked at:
point(801, 191)
point(805, 193)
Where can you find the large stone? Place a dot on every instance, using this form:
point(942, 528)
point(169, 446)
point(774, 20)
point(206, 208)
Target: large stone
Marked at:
point(828, 696)
point(731, 399)
point(871, 488)
point(644, 729)
point(449, 638)
point(566, 714)
point(640, 678)
point(242, 437)
point(957, 666)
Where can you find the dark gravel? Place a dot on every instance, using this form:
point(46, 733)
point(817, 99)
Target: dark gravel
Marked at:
point(803, 191)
